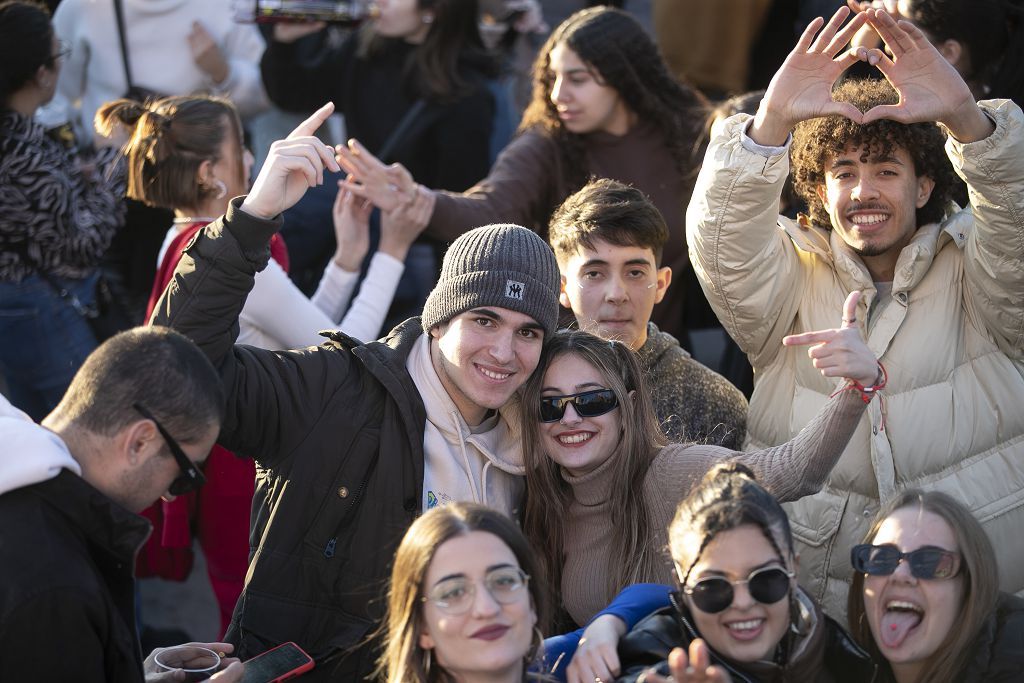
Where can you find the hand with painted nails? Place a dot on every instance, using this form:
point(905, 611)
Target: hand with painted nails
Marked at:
point(293, 165)
point(802, 87)
point(841, 352)
point(930, 88)
point(697, 668)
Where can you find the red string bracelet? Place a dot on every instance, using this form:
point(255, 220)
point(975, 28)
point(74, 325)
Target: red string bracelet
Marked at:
point(866, 392)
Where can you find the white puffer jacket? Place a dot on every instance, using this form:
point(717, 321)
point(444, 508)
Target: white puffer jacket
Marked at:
point(952, 340)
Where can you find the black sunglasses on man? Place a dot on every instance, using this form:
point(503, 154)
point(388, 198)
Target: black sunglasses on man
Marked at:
point(191, 477)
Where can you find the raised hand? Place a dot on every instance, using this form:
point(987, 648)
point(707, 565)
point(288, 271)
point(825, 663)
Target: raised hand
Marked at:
point(840, 352)
point(370, 178)
point(930, 88)
point(351, 229)
point(206, 54)
point(802, 87)
point(696, 668)
point(293, 165)
point(400, 226)
point(597, 656)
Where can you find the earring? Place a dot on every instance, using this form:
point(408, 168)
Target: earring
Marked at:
point(426, 664)
point(222, 189)
point(536, 649)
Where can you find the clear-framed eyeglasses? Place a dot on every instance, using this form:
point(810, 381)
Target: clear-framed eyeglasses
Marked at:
point(507, 585)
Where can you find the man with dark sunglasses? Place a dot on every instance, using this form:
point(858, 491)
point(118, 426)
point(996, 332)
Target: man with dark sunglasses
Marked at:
point(135, 424)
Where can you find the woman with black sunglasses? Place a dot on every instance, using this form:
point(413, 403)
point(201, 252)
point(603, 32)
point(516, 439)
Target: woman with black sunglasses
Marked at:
point(925, 598)
point(603, 484)
point(739, 613)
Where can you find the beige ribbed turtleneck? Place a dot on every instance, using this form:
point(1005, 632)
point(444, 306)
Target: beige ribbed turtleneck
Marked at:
point(795, 469)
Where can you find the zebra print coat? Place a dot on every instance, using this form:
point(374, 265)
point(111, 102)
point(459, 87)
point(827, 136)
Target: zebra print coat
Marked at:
point(58, 211)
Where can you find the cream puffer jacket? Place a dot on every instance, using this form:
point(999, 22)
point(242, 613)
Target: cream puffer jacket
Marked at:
point(951, 338)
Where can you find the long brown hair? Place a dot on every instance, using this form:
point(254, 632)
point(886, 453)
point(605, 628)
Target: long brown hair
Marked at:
point(981, 587)
point(625, 58)
point(170, 139)
point(548, 495)
point(403, 659)
point(436, 67)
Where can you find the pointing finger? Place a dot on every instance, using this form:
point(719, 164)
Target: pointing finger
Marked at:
point(806, 338)
point(310, 125)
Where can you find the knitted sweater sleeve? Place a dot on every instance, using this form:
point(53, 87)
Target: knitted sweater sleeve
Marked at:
point(790, 471)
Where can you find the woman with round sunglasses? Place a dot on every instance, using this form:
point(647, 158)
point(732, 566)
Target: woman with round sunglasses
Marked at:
point(925, 599)
point(462, 604)
point(603, 483)
point(739, 614)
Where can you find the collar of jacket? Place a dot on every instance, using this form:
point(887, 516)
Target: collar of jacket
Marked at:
point(657, 344)
point(1000, 645)
point(106, 525)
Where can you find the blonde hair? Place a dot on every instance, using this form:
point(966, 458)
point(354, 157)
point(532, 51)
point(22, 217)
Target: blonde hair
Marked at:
point(980, 573)
point(548, 495)
point(402, 660)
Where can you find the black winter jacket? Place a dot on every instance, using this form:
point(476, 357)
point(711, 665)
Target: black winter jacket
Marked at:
point(999, 649)
point(820, 652)
point(337, 434)
point(67, 596)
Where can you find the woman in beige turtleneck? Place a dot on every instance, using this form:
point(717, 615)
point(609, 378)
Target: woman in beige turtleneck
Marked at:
point(602, 483)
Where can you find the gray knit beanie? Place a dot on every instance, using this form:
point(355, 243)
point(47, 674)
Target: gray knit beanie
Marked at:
point(501, 265)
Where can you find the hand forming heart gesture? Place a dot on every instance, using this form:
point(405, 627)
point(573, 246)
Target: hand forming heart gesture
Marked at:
point(929, 88)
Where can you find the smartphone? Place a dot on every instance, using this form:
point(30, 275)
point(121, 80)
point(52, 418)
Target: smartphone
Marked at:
point(279, 664)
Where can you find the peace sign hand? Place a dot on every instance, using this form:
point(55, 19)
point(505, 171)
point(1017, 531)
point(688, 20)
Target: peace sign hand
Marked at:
point(293, 165)
point(802, 87)
point(840, 352)
point(930, 88)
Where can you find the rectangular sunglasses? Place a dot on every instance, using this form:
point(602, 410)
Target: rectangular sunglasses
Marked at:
point(586, 404)
point(925, 563)
point(191, 477)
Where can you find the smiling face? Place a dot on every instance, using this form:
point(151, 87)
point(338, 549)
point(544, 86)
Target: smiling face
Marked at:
point(584, 103)
point(482, 356)
point(491, 637)
point(612, 290)
point(909, 617)
point(747, 630)
point(578, 444)
point(873, 204)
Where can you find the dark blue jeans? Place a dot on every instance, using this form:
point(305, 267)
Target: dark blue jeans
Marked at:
point(43, 340)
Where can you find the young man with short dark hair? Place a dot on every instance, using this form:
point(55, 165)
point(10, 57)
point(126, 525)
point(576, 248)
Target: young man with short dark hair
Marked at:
point(608, 238)
point(353, 440)
point(942, 289)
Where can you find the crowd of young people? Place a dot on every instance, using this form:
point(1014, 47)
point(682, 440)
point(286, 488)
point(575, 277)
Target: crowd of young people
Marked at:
point(516, 479)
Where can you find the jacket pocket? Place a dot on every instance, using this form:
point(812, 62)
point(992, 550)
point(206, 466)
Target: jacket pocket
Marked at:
point(815, 519)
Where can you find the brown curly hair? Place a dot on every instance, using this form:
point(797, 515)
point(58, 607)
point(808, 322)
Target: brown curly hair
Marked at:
point(816, 140)
point(620, 51)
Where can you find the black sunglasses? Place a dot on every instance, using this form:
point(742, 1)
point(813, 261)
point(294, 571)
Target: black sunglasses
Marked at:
point(191, 477)
point(929, 562)
point(714, 594)
point(586, 404)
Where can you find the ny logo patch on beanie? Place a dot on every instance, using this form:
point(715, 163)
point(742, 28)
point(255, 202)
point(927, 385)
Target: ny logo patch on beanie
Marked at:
point(514, 290)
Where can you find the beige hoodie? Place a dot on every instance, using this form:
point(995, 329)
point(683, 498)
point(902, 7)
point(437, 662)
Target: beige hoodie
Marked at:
point(483, 464)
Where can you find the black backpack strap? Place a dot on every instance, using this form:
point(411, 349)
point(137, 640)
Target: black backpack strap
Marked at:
point(119, 13)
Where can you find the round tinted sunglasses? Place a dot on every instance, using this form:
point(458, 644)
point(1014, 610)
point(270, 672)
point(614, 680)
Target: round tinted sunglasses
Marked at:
point(929, 562)
point(714, 594)
point(586, 404)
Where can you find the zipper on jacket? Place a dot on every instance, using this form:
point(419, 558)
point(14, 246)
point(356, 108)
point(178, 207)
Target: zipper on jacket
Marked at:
point(333, 543)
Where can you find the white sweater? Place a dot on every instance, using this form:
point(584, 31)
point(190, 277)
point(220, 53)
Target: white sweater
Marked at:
point(157, 36)
point(277, 315)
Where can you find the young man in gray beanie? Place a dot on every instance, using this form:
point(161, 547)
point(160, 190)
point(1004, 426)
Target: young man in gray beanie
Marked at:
point(353, 440)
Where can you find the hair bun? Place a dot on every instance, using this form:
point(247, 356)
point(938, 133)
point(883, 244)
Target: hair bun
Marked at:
point(728, 470)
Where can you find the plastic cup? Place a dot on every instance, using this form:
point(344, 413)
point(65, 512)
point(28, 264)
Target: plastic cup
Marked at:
point(198, 663)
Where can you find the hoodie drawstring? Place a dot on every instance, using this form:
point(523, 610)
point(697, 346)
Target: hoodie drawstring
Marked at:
point(465, 458)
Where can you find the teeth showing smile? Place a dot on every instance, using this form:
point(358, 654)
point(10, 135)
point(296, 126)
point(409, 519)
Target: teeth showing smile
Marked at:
point(901, 606)
point(575, 438)
point(495, 375)
point(868, 218)
point(746, 625)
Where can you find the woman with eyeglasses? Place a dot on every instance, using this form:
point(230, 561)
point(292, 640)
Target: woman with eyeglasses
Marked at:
point(463, 602)
point(739, 614)
point(58, 213)
point(602, 483)
point(925, 598)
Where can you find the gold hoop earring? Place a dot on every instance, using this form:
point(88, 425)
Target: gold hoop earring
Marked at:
point(536, 649)
point(426, 664)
